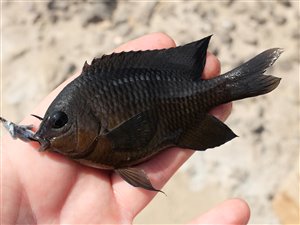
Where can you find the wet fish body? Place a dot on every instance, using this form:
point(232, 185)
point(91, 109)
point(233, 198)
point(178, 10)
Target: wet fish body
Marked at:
point(126, 107)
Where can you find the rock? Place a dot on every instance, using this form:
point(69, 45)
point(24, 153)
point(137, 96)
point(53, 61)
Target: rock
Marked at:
point(286, 3)
point(249, 37)
point(259, 130)
point(240, 8)
point(54, 5)
point(97, 12)
point(226, 39)
point(280, 20)
point(260, 19)
point(296, 34)
point(228, 25)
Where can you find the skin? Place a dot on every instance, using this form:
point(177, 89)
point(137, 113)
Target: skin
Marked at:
point(48, 188)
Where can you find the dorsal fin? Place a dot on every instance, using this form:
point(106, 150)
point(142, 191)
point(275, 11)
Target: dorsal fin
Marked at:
point(85, 66)
point(189, 58)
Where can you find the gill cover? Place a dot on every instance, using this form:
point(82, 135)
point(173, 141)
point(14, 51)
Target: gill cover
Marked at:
point(67, 129)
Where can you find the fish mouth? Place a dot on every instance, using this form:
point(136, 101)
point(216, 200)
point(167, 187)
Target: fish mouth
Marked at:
point(45, 143)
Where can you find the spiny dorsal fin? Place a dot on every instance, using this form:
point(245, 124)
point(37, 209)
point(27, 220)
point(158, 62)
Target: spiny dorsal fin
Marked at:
point(85, 66)
point(190, 58)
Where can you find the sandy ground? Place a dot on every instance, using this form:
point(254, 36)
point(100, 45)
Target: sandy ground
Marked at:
point(45, 42)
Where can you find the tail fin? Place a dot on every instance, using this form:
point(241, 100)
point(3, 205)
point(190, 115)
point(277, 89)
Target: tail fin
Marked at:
point(249, 80)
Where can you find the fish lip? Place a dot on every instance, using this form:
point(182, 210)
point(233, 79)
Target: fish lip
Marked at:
point(45, 143)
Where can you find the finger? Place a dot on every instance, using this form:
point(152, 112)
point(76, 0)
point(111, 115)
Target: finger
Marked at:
point(212, 67)
point(211, 70)
point(148, 42)
point(222, 112)
point(233, 211)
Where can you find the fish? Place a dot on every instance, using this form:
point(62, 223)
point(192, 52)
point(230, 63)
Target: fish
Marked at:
point(126, 107)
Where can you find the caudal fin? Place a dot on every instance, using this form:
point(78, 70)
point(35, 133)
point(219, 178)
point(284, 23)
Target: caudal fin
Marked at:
point(249, 80)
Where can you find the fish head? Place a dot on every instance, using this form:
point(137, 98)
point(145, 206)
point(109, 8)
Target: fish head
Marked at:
point(67, 128)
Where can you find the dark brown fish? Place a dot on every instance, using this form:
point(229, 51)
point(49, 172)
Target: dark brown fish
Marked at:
point(126, 107)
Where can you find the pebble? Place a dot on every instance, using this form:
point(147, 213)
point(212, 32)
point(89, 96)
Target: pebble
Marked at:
point(286, 3)
point(96, 13)
point(226, 39)
point(228, 25)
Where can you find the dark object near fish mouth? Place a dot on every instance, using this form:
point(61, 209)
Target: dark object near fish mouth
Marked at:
point(126, 107)
point(45, 144)
point(38, 117)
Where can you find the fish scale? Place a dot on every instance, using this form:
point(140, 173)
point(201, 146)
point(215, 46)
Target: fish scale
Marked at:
point(144, 92)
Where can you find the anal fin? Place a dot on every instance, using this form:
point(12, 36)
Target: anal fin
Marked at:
point(208, 132)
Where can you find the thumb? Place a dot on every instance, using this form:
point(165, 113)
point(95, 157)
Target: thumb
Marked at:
point(234, 211)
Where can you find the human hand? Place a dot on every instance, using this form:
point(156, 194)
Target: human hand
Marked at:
point(44, 188)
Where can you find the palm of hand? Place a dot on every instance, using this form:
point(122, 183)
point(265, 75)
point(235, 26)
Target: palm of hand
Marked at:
point(54, 189)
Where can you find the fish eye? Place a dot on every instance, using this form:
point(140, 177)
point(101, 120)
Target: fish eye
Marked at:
point(58, 119)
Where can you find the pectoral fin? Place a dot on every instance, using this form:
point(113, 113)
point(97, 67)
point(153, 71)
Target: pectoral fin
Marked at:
point(137, 178)
point(134, 133)
point(208, 132)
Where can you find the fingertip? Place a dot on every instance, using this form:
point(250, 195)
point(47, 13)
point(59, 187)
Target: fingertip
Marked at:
point(151, 41)
point(233, 211)
point(222, 112)
point(211, 70)
point(246, 209)
point(241, 209)
point(163, 39)
point(212, 67)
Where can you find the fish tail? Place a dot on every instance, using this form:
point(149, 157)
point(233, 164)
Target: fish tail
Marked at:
point(249, 80)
